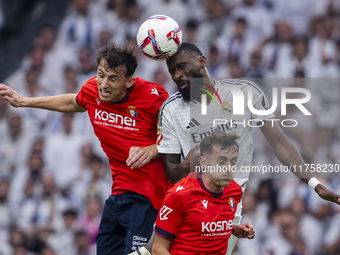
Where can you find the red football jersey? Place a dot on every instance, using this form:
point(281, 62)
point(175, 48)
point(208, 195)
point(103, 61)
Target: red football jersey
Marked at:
point(196, 220)
point(131, 121)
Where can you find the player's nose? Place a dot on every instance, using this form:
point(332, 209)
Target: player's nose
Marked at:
point(178, 74)
point(104, 83)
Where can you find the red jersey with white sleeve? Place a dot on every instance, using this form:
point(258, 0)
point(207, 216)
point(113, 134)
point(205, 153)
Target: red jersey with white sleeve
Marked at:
point(131, 121)
point(197, 220)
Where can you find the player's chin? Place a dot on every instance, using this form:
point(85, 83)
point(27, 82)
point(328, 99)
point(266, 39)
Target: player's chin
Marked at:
point(224, 182)
point(105, 99)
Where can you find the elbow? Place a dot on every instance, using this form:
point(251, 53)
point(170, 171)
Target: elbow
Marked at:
point(156, 250)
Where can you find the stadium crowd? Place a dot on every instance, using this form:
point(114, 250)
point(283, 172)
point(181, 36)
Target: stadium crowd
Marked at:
point(54, 177)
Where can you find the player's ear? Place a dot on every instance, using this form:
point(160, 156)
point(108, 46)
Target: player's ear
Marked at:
point(130, 82)
point(202, 61)
point(201, 160)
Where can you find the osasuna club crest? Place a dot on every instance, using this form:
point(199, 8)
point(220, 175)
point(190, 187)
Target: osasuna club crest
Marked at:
point(132, 111)
point(231, 203)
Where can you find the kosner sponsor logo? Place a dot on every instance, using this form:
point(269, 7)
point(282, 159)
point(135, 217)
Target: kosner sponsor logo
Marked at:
point(217, 226)
point(114, 118)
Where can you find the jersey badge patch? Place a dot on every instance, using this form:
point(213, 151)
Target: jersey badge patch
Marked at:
point(231, 203)
point(227, 108)
point(132, 111)
point(98, 101)
point(164, 212)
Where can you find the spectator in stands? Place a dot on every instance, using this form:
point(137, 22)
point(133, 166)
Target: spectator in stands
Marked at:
point(65, 163)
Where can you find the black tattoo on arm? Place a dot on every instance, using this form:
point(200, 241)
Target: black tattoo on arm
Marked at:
point(290, 159)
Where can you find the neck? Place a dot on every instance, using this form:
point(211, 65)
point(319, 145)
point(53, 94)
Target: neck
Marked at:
point(120, 98)
point(206, 78)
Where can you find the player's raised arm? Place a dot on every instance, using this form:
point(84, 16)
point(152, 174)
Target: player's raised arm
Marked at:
point(60, 103)
point(290, 157)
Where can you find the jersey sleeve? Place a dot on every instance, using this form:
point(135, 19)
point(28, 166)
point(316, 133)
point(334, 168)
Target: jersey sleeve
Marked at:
point(171, 215)
point(163, 95)
point(167, 139)
point(80, 98)
point(260, 102)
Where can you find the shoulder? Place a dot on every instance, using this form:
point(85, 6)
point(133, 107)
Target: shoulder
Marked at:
point(148, 85)
point(150, 90)
point(91, 84)
point(170, 106)
point(88, 91)
point(234, 190)
point(172, 102)
point(184, 187)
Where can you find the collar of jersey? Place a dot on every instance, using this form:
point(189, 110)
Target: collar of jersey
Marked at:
point(125, 97)
point(215, 195)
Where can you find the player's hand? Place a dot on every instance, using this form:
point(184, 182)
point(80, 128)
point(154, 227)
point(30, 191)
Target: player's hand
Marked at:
point(245, 230)
point(327, 194)
point(10, 95)
point(138, 157)
point(191, 160)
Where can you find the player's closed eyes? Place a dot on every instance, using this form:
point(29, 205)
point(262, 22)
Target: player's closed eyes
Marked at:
point(222, 162)
point(180, 66)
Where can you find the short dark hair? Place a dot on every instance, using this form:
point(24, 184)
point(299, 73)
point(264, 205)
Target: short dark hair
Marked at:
point(116, 56)
point(95, 159)
point(190, 47)
point(70, 212)
point(241, 20)
point(220, 139)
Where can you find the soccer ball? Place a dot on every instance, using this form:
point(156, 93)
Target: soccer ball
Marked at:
point(159, 37)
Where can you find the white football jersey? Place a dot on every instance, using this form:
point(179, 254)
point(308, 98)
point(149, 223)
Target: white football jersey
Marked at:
point(181, 125)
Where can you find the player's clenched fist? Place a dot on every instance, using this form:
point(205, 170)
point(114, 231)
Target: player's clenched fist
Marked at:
point(138, 157)
point(10, 95)
point(245, 230)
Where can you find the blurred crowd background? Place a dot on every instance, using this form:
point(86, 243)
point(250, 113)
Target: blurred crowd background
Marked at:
point(54, 178)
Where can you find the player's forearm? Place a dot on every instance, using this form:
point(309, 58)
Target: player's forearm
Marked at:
point(285, 150)
point(160, 251)
point(161, 247)
point(60, 103)
point(152, 151)
point(290, 157)
point(175, 169)
point(175, 173)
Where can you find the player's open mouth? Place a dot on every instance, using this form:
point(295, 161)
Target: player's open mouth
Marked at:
point(183, 84)
point(104, 94)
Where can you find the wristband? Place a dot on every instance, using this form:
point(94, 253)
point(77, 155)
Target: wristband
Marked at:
point(313, 182)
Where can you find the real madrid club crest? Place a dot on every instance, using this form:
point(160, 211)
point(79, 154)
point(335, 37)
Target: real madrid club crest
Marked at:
point(132, 111)
point(231, 203)
point(227, 108)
